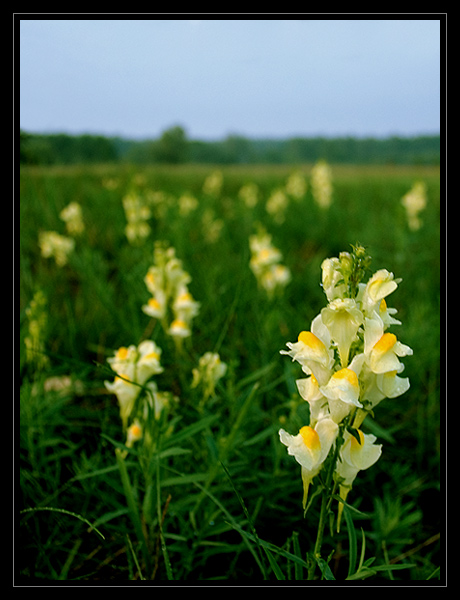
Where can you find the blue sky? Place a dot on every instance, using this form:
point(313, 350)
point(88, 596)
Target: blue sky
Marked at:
point(257, 78)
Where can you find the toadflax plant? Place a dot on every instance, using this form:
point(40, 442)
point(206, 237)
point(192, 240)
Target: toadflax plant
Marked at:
point(351, 362)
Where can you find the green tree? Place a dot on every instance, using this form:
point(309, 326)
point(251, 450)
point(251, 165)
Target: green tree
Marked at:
point(172, 147)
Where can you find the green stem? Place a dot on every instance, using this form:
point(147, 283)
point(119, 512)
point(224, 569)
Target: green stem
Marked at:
point(319, 537)
point(326, 501)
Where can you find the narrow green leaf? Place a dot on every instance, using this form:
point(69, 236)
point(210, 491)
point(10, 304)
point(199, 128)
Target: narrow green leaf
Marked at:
point(193, 429)
point(274, 565)
point(353, 551)
point(325, 570)
point(64, 512)
point(362, 574)
point(248, 517)
point(394, 567)
point(298, 571)
point(352, 508)
point(363, 551)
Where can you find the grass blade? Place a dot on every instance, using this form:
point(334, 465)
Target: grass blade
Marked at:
point(353, 551)
point(133, 508)
point(65, 512)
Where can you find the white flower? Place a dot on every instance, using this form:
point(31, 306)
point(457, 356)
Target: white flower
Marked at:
point(312, 350)
point(184, 306)
point(414, 202)
point(382, 349)
point(309, 390)
point(379, 286)
point(210, 370)
point(126, 392)
point(52, 244)
point(155, 307)
point(148, 363)
point(354, 457)
point(343, 390)
point(321, 184)
point(310, 448)
point(179, 329)
point(331, 275)
point(72, 216)
point(134, 433)
point(134, 366)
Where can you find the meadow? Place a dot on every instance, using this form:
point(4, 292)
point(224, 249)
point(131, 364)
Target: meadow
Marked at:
point(214, 496)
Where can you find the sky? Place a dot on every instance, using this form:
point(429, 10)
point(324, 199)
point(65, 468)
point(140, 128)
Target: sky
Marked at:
point(258, 78)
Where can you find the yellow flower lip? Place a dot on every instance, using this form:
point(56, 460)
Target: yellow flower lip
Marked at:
point(310, 438)
point(135, 431)
point(385, 343)
point(153, 302)
point(152, 355)
point(122, 353)
point(355, 445)
point(310, 340)
point(185, 297)
point(348, 375)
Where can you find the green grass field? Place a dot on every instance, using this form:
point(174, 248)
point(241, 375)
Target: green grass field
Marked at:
point(219, 499)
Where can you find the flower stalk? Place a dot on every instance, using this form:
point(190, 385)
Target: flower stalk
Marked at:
point(351, 363)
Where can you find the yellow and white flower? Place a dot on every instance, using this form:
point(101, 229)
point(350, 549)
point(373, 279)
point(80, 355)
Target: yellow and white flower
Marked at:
point(321, 184)
point(210, 370)
point(134, 433)
point(415, 202)
point(167, 281)
point(72, 216)
point(343, 390)
point(179, 329)
point(309, 390)
point(354, 457)
point(310, 448)
point(126, 391)
point(55, 245)
point(184, 306)
point(134, 366)
point(265, 263)
point(155, 307)
point(148, 362)
point(342, 317)
point(331, 276)
point(296, 186)
point(313, 351)
point(379, 286)
point(382, 350)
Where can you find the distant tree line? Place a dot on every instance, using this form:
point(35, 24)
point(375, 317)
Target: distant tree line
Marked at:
point(173, 147)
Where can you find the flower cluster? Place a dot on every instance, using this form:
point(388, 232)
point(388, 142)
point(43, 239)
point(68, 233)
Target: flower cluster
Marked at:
point(277, 205)
point(53, 244)
point(296, 186)
point(35, 340)
point(133, 366)
point(212, 185)
point(265, 263)
point(137, 214)
point(249, 193)
point(415, 202)
point(73, 219)
point(210, 370)
point(352, 363)
point(321, 184)
point(168, 283)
